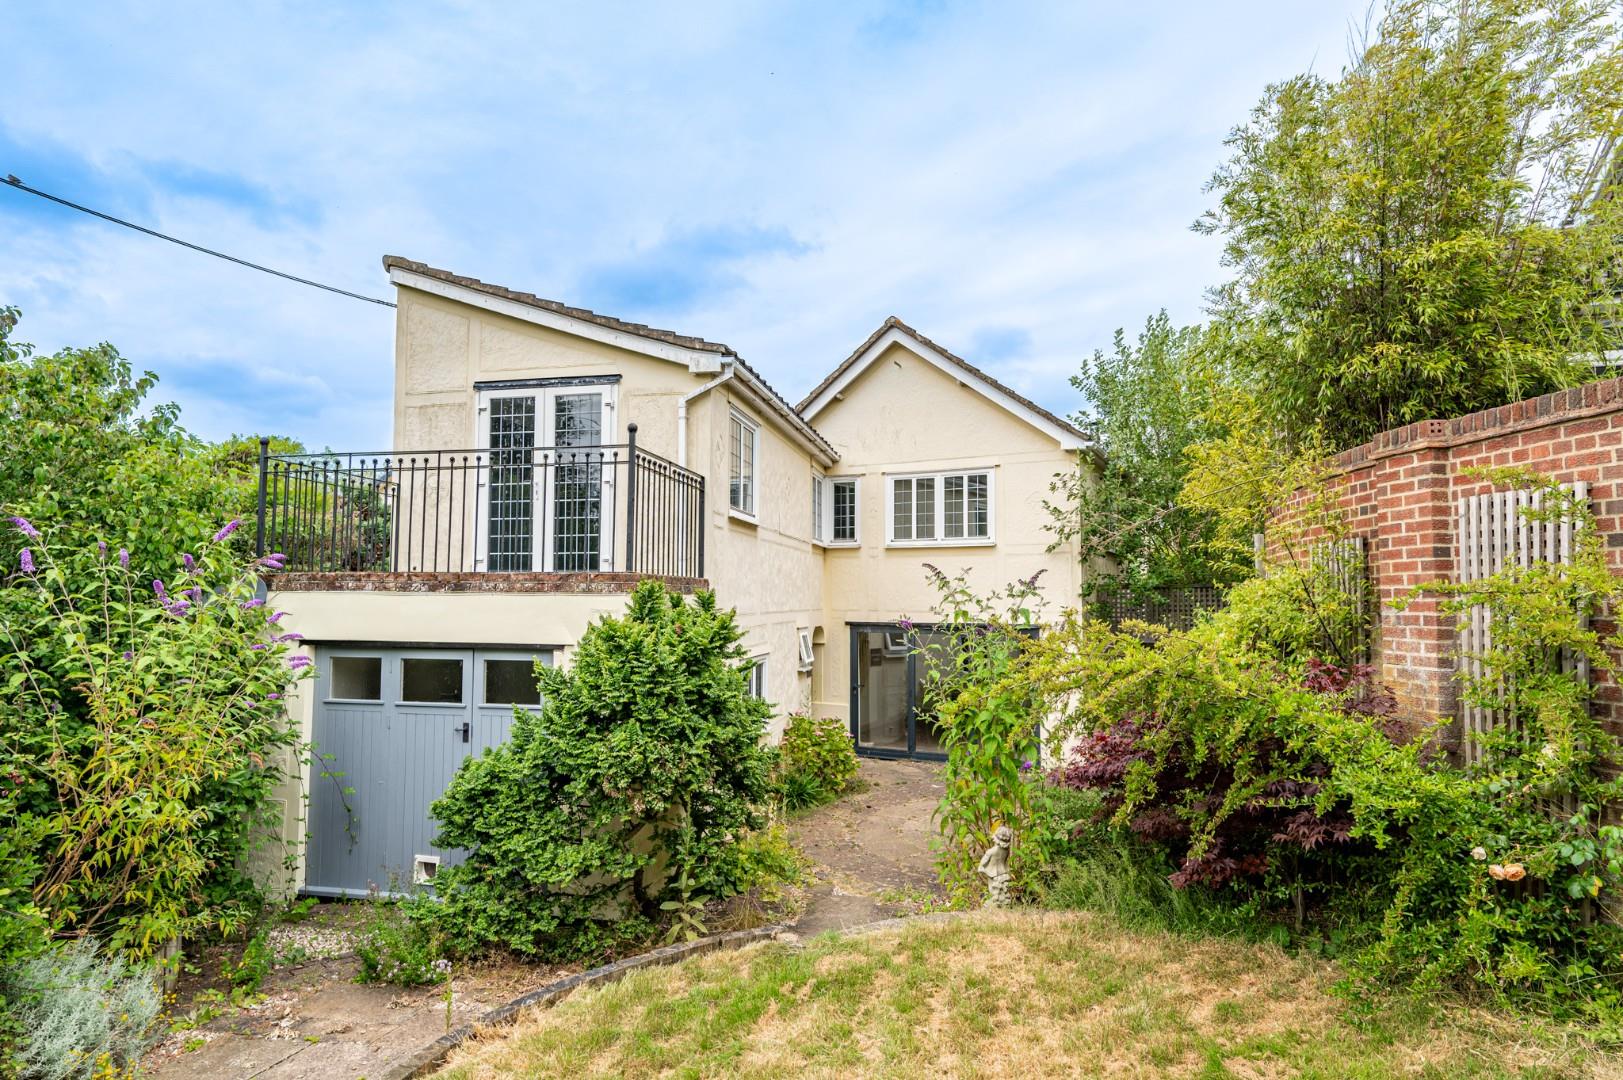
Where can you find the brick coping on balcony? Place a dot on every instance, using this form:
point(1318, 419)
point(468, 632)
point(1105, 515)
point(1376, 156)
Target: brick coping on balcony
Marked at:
point(422, 581)
point(1591, 399)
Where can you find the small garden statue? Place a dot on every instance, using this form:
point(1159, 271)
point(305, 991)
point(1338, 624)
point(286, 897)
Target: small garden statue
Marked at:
point(995, 868)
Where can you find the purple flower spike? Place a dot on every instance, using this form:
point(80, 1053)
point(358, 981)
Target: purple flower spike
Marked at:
point(273, 697)
point(101, 548)
point(288, 637)
point(194, 594)
point(298, 662)
point(124, 557)
point(191, 563)
point(276, 618)
point(128, 655)
point(1026, 766)
point(230, 528)
point(249, 605)
point(26, 529)
point(259, 646)
point(27, 561)
point(157, 587)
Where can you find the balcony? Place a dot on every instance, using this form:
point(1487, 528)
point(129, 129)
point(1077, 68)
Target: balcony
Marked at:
point(526, 512)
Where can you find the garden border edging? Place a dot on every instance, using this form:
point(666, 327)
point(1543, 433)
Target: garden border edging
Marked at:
point(434, 1054)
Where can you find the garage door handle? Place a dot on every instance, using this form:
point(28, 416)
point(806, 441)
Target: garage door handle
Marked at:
point(463, 729)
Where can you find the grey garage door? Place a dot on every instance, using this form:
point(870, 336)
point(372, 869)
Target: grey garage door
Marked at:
point(391, 728)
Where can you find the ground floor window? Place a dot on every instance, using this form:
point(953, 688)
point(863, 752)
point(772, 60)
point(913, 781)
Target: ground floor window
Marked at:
point(756, 678)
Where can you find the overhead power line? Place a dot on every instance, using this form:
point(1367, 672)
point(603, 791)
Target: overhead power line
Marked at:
point(20, 186)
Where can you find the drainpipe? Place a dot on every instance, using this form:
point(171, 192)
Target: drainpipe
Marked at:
point(682, 413)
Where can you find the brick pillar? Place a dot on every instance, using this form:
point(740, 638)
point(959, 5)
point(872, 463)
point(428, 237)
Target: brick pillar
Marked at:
point(1412, 545)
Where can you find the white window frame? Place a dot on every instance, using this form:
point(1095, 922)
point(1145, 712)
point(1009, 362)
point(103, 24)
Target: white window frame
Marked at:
point(749, 425)
point(546, 436)
point(940, 515)
point(820, 525)
point(808, 656)
point(824, 518)
point(755, 677)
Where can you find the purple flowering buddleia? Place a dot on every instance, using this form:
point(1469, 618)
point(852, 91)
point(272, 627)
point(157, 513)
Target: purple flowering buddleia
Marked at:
point(276, 618)
point(128, 655)
point(101, 548)
point(249, 605)
point(26, 561)
point(157, 587)
point(298, 663)
point(25, 528)
point(230, 528)
point(189, 562)
point(124, 557)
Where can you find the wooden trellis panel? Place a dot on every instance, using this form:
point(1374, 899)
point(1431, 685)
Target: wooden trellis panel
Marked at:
point(1491, 533)
point(1347, 563)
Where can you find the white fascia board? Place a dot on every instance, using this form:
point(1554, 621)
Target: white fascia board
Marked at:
point(1067, 440)
point(698, 361)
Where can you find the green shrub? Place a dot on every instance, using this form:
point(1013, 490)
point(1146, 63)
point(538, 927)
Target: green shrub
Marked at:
point(986, 719)
point(643, 765)
point(816, 761)
point(80, 1014)
point(764, 859)
point(394, 948)
point(143, 730)
point(1278, 785)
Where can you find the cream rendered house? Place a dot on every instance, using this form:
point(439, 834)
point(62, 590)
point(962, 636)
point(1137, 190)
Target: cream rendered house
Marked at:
point(546, 459)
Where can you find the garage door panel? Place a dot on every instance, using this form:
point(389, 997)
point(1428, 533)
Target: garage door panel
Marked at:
point(398, 755)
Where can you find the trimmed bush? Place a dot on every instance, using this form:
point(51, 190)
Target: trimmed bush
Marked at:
point(816, 761)
point(643, 766)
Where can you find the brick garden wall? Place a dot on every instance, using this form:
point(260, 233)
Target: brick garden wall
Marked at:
point(1399, 490)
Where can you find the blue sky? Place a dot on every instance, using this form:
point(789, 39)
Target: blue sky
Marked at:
point(1014, 180)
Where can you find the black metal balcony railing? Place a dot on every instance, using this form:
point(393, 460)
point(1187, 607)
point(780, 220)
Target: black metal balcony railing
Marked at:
point(557, 509)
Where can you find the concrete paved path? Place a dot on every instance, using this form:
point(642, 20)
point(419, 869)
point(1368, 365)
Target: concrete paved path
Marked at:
point(871, 851)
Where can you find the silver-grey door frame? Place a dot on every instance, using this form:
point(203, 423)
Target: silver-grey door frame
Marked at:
point(379, 764)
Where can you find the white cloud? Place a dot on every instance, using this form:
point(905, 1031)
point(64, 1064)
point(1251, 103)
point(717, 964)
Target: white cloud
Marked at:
point(963, 167)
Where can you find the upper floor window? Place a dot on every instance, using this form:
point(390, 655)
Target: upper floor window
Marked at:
point(941, 508)
point(745, 443)
point(834, 509)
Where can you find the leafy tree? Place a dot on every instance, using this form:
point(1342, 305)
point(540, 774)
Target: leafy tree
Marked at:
point(1147, 404)
point(643, 766)
point(1433, 233)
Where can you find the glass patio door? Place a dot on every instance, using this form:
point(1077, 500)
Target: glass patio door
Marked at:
point(543, 506)
point(888, 718)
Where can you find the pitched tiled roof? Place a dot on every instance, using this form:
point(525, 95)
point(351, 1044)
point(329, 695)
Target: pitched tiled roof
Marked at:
point(893, 323)
point(669, 337)
point(789, 412)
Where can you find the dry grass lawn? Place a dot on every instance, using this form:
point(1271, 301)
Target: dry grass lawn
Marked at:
point(1004, 995)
